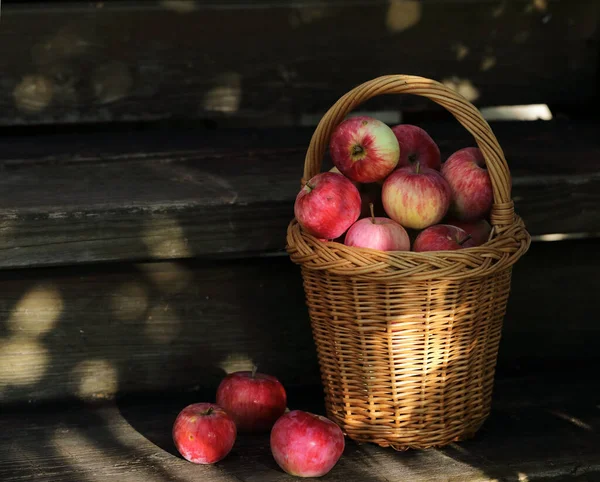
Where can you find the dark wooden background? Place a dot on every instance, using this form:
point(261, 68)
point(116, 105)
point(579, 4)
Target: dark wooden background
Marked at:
point(150, 157)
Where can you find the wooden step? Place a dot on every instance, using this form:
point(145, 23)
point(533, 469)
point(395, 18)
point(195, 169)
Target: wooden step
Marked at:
point(539, 429)
point(76, 198)
point(273, 63)
point(100, 331)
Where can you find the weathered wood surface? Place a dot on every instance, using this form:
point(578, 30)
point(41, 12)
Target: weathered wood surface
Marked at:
point(539, 429)
point(100, 331)
point(81, 198)
point(273, 62)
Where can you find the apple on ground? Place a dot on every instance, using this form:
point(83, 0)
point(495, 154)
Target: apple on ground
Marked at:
point(327, 205)
point(204, 433)
point(469, 180)
point(415, 196)
point(479, 230)
point(306, 445)
point(416, 145)
point(379, 233)
point(364, 149)
point(442, 237)
point(254, 400)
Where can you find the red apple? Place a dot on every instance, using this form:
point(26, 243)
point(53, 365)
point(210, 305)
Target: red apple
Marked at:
point(416, 145)
point(479, 230)
point(442, 237)
point(364, 149)
point(204, 433)
point(327, 205)
point(254, 400)
point(415, 196)
point(470, 182)
point(305, 444)
point(379, 233)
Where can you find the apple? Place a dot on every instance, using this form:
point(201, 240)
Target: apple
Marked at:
point(442, 237)
point(305, 444)
point(415, 196)
point(204, 433)
point(379, 233)
point(327, 205)
point(479, 230)
point(472, 194)
point(254, 400)
point(364, 149)
point(416, 145)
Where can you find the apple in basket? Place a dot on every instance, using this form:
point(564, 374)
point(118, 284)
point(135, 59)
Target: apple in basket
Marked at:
point(305, 444)
point(327, 205)
point(204, 433)
point(416, 196)
point(254, 400)
point(479, 230)
point(416, 145)
point(442, 237)
point(379, 233)
point(364, 149)
point(469, 180)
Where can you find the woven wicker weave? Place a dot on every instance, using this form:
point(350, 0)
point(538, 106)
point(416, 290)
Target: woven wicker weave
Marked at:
point(407, 342)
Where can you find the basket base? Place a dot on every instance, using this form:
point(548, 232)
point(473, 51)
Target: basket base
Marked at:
point(402, 441)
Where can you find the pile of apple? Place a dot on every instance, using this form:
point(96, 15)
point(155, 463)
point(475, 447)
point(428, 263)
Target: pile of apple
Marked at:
point(396, 173)
point(302, 443)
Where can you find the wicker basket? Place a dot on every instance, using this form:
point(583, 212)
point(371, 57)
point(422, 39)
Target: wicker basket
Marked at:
point(407, 342)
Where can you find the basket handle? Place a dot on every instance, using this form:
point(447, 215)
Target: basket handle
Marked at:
point(503, 213)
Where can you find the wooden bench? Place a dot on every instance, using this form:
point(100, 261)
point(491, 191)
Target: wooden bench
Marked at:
point(151, 156)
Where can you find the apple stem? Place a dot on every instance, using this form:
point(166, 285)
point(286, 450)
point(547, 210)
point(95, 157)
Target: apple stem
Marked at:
point(208, 411)
point(465, 240)
point(417, 167)
point(309, 186)
point(254, 369)
point(372, 208)
point(357, 150)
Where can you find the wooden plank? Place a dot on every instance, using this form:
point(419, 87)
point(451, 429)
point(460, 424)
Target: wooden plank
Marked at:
point(68, 199)
point(272, 62)
point(530, 435)
point(99, 331)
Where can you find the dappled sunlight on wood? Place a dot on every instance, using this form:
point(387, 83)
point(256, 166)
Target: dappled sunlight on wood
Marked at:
point(168, 277)
point(129, 301)
point(34, 93)
point(226, 95)
point(95, 379)
point(165, 238)
point(37, 312)
point(179, 6)
point(236, 362)
point(403, 14)
point(24, 362)
point(463, 86)
point(162, 324)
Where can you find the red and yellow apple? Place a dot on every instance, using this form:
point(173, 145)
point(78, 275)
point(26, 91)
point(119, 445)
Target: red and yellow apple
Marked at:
point(415, 196)
point(327, 205)
point(306, 445)
point(442, 237)
point(470, 183)
point(379, 233)
point(479, 230)
point(416, 145)
point(364, 149)
point(204, 433)
point(254, 400)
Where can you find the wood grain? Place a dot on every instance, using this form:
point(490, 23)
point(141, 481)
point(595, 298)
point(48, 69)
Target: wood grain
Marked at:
point(273, 63)
point(149, 195)
point(541, 432)
point(99, 331)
